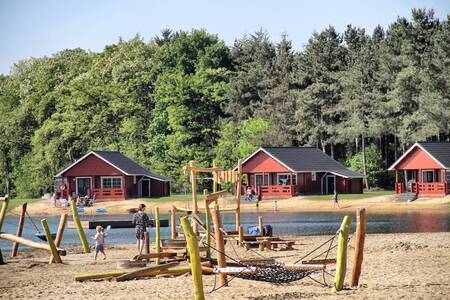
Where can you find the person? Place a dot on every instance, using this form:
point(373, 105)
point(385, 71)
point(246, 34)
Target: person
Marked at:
point(55, 199)
point(99, 238)
point(62, 189)
point(79, 201)
point(141, 222)
point(249, 194)
point(335, 199)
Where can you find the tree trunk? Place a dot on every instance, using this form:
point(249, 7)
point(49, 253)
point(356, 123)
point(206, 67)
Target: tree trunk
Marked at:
point(357, 145)
point(332, 151)
point(363, 150)
point(395, 148)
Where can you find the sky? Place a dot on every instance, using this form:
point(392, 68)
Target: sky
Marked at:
point(31, 28)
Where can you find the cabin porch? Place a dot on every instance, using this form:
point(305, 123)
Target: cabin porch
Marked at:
point(429, 182)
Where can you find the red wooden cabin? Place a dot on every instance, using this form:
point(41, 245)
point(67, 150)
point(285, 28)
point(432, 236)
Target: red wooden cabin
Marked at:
point(112, 176)
point(424, 169)
point(289, 171)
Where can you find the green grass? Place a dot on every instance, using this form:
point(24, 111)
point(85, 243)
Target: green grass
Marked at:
point(350, 196)
point(13, 203)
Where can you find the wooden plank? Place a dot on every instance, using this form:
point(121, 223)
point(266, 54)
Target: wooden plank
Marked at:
point(80, 230)
point(15, 246)
point(145, 271)
point(51, 243)
point(29, 243)
point(328, 261)
point(257, 261)
point(157, 234)
point(220, 249)
point(305, 267)
point(201, 169)
point(216, 195)
point(60, 233)
point(359, 245)
point(341, 258)
point(154, 255)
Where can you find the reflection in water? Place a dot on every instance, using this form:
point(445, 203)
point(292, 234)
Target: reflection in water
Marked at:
point(284, 224)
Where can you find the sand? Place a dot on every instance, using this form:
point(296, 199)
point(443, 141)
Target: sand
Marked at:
point(381, 204)
point(410, 266)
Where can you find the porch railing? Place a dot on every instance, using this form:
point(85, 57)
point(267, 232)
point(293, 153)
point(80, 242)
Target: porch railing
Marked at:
point(399, 188)
point(430, 188)
point(277, 190)
point(110, 193)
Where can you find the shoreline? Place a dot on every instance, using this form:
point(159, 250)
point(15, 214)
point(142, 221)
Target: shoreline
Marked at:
point(404, 265)
point(376, 205)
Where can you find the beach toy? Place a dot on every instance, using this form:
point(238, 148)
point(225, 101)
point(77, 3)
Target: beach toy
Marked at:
point(80, 209)
point(100, 210)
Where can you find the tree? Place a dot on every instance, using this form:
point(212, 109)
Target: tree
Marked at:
point(374, 165)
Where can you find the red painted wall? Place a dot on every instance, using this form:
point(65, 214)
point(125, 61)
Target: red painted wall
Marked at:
point(92, 165)
point(417, 159)
point(262, 162)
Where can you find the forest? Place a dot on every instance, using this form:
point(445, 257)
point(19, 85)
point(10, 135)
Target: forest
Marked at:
point(362, 97)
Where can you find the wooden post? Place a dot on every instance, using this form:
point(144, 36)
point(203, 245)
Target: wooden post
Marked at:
point(196, 268)
point(207, 224)
point(3, 210)
point(147, 242)
point(261, 226)
point(341, 258)
point(359, 245)
point(15, 246)
point(241, 235)
point(173, 221)
point(221, 262)
point(194, 196)
point(158, 235)
point(59, 234)
point(215, 176)
point(238, 195)
point(80, 230)
point(50, 241)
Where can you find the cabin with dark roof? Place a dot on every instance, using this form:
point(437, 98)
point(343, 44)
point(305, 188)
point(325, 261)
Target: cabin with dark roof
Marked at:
point(289, 171)
point(424, 169)
point(110, 175)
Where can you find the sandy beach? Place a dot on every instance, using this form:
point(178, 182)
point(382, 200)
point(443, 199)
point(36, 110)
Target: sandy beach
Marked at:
point(410, 266)
point(380, 204)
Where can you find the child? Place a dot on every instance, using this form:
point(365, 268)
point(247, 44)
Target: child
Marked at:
point(335, 199)
point(99, 242)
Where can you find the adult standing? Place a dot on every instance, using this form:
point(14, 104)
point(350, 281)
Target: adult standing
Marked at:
point(141, 222)
point(335, 199)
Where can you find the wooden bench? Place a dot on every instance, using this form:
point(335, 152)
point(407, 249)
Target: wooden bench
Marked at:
point(261, 244)
point(288, 244)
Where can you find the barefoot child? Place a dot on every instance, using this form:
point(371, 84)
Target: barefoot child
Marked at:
point(99, 242)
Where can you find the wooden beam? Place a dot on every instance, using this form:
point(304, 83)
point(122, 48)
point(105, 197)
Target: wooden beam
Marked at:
point(192, 243)
point(59, 234)
point(15, 246)
point(158, 234)
point(207, 223)
point(80, 230)
point(145, 271)
point(215, 196)
point(305, 267)
point(29, 243)
point(238, 195)
point(201, 169)
point(221, 261)
point(50, 242)
point(341, 258)
point(154, 255)
point(359, 245)
point(261, 226)
point(3, 209)
point(173, 222)
point(194, 194)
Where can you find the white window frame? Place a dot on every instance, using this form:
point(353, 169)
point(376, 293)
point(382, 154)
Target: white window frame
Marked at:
point(288, 182)
point(111, 177)
point(313, 176)
point(434, 175)
point(81, 177)
point(262, 175)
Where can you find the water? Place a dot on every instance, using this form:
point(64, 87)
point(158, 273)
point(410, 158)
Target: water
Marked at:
point(284, 224)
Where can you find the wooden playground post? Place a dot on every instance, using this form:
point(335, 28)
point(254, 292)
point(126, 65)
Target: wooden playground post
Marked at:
point(196, 268)
point(238, 194)
point(80, 230)
point(221, 262)
point(241, 235)
point(3, 210)
point(207, 223)
point(359, 245)
point(194, 195)
point(215, 176)
point(147, 242)
point(59, 234)
point(173, 221)
point(341, 258)
point(15, 246)
point(158, 235)
point(50, 241)
point(261, 226)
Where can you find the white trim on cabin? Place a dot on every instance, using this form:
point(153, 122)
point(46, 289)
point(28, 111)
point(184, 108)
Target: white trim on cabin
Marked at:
point(391, 168)
point(108, 162)
point(82, 177)
point(111, 177)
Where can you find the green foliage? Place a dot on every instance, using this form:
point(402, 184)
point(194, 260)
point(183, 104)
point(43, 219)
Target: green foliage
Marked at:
point(374, 164)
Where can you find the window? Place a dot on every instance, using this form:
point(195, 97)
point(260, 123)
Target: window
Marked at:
point(313, 176)
point(448, 176)
point(428, 176)
point(112, 182)
point(284, 179)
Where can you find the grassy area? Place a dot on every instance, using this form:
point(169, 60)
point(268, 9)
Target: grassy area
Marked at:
point(13, 203)
point(350, 196)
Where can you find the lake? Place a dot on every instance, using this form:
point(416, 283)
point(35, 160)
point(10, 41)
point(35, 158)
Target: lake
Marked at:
point(284, 224)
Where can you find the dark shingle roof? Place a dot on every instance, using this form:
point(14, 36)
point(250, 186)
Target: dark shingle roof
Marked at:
point(439, 150)
point(309, 159)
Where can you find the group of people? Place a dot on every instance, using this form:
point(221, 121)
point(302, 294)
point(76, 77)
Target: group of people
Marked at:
point(140, 220)
point(63, 202)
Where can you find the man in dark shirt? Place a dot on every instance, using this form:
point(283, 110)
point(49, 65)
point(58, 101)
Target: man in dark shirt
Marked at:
point(141, 222)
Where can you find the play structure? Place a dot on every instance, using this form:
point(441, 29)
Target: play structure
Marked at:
point(198, 240)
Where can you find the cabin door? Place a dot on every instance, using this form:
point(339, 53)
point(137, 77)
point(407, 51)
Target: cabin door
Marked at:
point(330, 184)
point(145, 188)
point(83, 185)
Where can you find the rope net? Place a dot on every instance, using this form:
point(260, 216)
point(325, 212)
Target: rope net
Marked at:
point(276, 273)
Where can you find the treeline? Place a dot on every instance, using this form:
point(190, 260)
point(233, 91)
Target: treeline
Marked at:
point(187, 96)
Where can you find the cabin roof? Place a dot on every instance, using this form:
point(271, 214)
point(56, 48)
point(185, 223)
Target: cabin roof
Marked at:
point(307, 159)
point(439, 151)
point(119, 161)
